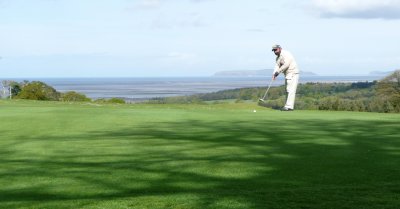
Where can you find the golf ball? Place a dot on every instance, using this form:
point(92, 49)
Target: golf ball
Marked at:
point(254, 111)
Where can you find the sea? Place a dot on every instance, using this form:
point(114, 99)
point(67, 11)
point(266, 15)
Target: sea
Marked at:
point(136, 89)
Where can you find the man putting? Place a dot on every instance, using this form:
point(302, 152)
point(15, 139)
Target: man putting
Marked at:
point(285, 63)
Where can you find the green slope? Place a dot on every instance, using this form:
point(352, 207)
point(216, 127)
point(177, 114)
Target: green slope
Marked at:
point(60, 155)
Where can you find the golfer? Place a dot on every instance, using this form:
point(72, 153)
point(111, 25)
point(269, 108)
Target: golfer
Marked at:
point(286, 64)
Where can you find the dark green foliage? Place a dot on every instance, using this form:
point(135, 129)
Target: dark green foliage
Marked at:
point(112, 101)
point(382, 96)
point(72, 96)
point(116, 100)
point(15, 88)
point(37, 90)
point(334, 96)
point(388, 90)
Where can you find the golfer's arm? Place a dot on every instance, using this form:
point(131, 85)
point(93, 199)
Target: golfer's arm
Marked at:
point(286, 64)
point(276, 69)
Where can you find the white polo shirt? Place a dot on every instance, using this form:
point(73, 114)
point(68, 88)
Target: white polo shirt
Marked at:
point(286, 64)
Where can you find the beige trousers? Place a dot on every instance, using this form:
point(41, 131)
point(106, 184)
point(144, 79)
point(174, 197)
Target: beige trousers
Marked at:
point(291, 87)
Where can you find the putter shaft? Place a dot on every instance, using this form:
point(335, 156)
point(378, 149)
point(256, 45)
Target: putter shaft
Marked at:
point(266, 92)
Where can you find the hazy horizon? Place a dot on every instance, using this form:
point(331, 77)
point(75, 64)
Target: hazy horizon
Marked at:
point(183, 76)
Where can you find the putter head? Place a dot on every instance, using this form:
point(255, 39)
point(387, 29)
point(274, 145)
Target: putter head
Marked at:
point(261, 100)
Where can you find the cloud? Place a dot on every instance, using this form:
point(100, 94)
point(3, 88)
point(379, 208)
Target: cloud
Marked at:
point(362, 9)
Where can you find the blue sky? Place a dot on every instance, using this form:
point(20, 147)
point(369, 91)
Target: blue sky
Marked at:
point(140, 38)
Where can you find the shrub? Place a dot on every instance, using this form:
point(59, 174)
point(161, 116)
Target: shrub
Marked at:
point(116, 100)
point(72, 96)
point(112, 100)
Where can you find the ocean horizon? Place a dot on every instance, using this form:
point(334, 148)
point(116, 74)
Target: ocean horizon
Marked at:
point(136, 88)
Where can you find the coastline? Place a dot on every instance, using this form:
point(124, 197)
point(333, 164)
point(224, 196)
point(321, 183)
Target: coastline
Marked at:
point(139, 89)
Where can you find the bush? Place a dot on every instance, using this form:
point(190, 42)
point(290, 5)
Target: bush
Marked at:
point(72, 96)
point(112, 100)
point(116, 100)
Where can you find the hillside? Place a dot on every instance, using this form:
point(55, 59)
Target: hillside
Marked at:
point(381, 72)
point(361, 96)
point(252, 73)
point(225, 156)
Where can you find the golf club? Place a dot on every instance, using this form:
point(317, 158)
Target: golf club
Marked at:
point(266, 92)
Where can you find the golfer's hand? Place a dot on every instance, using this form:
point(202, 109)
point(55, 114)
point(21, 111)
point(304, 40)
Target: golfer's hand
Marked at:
point(274, 76)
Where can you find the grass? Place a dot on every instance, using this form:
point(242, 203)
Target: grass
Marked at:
point(60, 155)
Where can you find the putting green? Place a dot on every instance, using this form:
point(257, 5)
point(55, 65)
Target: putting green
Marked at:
point(61, 155)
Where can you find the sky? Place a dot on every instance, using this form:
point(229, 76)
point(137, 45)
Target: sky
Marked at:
point(161, 38)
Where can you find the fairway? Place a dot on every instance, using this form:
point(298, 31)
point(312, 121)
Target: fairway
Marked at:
point(61, 155)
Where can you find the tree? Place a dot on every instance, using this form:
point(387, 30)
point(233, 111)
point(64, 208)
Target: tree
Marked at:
point(37, 90)
point(389, 90)
point(15, 88)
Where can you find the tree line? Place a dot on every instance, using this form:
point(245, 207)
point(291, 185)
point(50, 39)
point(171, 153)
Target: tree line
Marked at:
point(37, 90)
point(376, 96)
